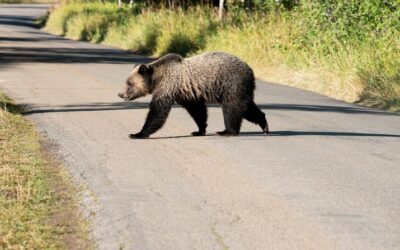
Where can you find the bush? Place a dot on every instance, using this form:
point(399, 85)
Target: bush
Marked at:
point(89, 22)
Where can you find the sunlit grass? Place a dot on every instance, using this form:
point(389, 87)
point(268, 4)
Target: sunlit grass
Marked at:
point(37, 204)
point(27, 1)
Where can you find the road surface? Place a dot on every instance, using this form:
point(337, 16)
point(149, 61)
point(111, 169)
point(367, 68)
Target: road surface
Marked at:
point(328, 176)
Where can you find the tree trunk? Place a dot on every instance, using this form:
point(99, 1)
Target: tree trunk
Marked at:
point(221, 11)
point(119, 3)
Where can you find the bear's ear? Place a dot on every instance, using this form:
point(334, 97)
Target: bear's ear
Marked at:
point(144, 69)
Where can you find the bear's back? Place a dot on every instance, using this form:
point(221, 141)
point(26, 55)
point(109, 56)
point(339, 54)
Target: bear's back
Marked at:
point(207, 76)
point(218, 64)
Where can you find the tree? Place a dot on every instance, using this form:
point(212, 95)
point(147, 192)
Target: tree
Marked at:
point(221, 11)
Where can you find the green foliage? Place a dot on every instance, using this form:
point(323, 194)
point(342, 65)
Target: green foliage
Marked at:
point(356, 20)
point(150, 32)
point(365, 36)
point(146, 40)
point(143, 32)
point(182, 33)
point(27, 1)
point(89, 22)
point(166, 31)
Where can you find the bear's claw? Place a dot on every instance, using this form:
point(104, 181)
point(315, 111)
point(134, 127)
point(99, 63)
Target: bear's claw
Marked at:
point(138, 136)
point(226, 133)
point(198, 133)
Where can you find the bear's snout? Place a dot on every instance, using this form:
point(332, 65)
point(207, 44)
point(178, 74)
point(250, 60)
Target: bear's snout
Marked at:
point(121, 95)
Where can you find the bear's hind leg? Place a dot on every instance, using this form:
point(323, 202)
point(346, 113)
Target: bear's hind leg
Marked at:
point(233, 116)
point(198, 111)
point(255, 115)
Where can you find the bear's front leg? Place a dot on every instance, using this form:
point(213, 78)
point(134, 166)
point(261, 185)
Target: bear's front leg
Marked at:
point(159, 110)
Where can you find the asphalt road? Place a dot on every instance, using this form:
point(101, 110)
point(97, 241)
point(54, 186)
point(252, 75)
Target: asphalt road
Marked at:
point(328, 176)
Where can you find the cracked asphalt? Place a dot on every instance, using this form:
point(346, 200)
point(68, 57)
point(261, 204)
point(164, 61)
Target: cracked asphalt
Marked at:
point(326, 178)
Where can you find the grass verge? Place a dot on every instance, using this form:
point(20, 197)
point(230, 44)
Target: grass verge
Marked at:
point(38, 207)
point(349, 51)
point(27, 1)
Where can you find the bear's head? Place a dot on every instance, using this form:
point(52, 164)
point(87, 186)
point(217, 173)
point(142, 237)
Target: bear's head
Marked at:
point(138, 83)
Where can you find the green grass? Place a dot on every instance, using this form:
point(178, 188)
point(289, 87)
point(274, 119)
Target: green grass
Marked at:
point(27, 1)
point(150, 32)
point(38, 208)
point(349, 50)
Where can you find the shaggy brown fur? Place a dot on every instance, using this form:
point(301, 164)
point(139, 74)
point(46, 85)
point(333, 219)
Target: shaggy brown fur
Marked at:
point(213, 77)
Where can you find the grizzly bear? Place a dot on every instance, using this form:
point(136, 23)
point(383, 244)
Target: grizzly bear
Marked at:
point(213, 77)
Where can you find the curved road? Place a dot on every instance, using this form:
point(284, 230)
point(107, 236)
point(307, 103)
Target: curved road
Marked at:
point(328, 177)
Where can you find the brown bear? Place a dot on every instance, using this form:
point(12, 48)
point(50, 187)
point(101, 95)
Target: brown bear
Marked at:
point(213, 77)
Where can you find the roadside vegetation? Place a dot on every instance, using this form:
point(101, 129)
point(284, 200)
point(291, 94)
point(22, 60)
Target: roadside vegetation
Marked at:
point(38, 209)
point(349, 50)
point(27, 1)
